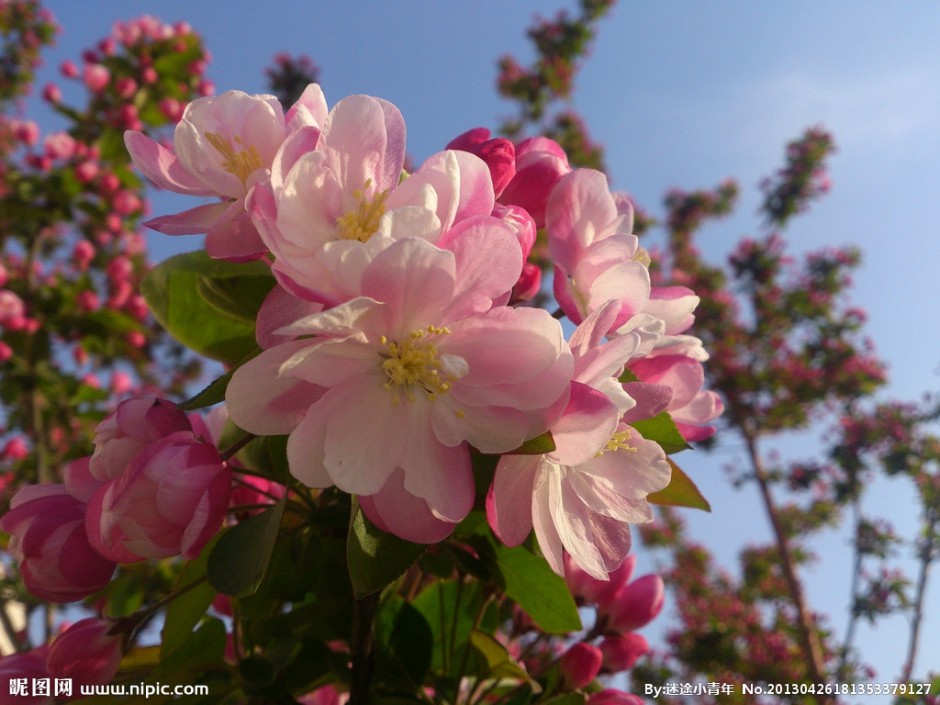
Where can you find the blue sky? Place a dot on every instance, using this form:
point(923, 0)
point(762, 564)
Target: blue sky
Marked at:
point(683, 94)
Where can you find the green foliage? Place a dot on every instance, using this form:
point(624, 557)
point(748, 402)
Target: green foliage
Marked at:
point(237, 564)
point(376, 558)
point(193, 298)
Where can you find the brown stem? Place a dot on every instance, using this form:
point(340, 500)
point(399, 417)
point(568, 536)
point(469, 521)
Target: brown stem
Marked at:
point(927, 555)
point(809, 636)
point(361, 643)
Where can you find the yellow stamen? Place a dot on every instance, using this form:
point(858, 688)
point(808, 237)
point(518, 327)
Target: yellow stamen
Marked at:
point(362, 222)
point(413, 364)
point(618, 441)
point(240, 162)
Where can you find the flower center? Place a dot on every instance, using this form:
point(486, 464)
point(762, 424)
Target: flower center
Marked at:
point(238, 160)
point(413, 364)
point(618, 441)
point(362, 222)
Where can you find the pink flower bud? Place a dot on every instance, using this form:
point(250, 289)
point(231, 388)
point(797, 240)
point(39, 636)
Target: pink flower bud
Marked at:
point(6, 352)
point(121, 382)
point(11, 307)
point(4, 275)
point(86, 171)
point(540, 163)
point(88, 301)
point(69, 69)
point(59, 145)
point(580, 665)
point(634, 605)
point(170, 500)
point(621, 651)
point(612, 696)
point(172, 109)
point(96, 77)
point(29, 665)
point(135, 424)
point(27, 132)
point(47, 528)
point(15, 449)
point(86, 653)
point(83, 253)
point(136, 339)
point(51, 93)
point(591, 591)
point(149, 75)
point(530, 281)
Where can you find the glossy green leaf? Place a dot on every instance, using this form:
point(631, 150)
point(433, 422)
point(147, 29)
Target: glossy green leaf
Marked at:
point(662, 429)
point(536, 446)
point(188, 609)
point(680, 492)
point(451, 609)
point(376, 558)
point(535, 587)
point(404, 645)
point(208, 305)
point(213, 393)
point(240, 559)
point(499, 663)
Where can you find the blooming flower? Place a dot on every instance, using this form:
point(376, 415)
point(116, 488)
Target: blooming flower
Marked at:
point(223, 146)
point(584, 494)
point(385, 398)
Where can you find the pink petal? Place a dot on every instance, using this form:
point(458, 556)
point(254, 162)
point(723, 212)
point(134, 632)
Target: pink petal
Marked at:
point(162, 167)
point(306, 445)
point(190, 222)
point(589, 421)
point(236, 240)
point(397, 511)
point(509, 500)
point(278, 310)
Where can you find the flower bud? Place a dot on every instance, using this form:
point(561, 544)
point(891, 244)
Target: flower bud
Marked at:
point(47, 537)
point(135, 424)
point(86, 653)
point(540, 163)
point(580, 665)
point(591, 591)
point(170, 500)
point(29, 665)
point(634, 605)
point(621, 651)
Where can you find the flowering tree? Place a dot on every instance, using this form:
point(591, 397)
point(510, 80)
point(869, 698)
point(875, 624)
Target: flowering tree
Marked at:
point(406, 459)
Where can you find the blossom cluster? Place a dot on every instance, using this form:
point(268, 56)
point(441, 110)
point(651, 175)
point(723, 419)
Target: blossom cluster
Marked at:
point(397, 337)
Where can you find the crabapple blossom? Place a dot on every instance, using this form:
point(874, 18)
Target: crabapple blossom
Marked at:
point(540, 163)
point(46, 524)
point(622, 651)
point(596, 257)
point(223, 146)
point(584, 494)
point(27, 666)
point(394, 385)
point(86, 653)
point(634, 605)
point(580, 665)
point(169, 500)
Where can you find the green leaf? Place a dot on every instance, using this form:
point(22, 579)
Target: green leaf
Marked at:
point(240, 559)
point(662, 429)
point(188, 609)
point(451, 609)
point(680, 492)
point(534, 586)
point(499, 663)
point(376, 558)
point(211, 395)
point(536, 446)
point(223, 326)
point(404, 645)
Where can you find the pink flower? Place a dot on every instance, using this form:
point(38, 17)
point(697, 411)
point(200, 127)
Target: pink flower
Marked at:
point(86, 653)
point(622, 651)
point(96, 77)
point(499, 154)
point(385, 398)
point(223, 146)
point(589, 590)
point(48, 539)
point(585, 493)
point(596, 258)
point(170, 500)
point(12, 307)
point(633, 606)
point(135, 424)
point(580, 665)
point(540, 163)
point(328, 211)
point(691, 406)
point(19, 671)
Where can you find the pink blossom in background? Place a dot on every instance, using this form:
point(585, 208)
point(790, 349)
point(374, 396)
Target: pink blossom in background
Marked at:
point(580, 665)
